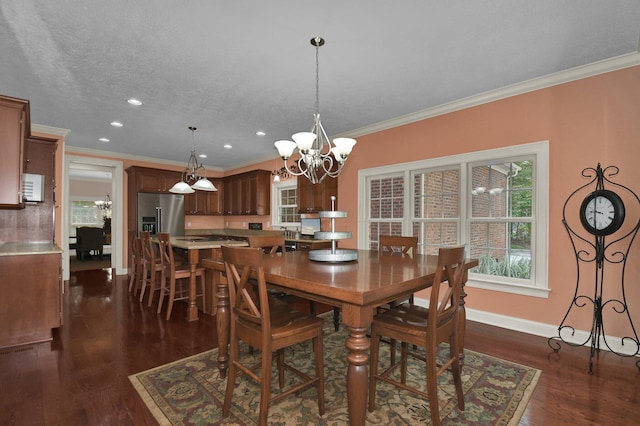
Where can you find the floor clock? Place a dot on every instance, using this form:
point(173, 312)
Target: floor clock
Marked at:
point(601, 233)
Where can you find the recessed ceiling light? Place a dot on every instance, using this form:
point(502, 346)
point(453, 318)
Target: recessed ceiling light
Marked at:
point(260, 133)
point(116, 124)
point(134, 101)
point(228, 146)
point(202, 155)
point(104, 140)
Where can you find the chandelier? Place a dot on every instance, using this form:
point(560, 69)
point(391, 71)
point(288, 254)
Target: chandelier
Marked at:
point(104, 204)
point(194, 172)
point(319, 158)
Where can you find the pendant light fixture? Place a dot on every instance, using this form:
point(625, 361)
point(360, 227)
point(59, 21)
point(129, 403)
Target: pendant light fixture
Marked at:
point(319, 158)
point(193, 172)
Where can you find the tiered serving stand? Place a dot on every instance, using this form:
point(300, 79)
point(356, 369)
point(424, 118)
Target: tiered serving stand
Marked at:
point(333, 254)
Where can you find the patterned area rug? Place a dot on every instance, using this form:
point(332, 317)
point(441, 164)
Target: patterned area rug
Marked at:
point(190, 391)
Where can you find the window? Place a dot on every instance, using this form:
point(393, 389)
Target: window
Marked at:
point(85, 213)
point(386, 207)
point(494, 202)
point(285, 209)
point(501, 217)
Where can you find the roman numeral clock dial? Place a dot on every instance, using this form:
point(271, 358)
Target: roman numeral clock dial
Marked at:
point(602, 212)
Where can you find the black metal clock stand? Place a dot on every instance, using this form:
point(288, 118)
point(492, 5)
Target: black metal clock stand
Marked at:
point(600, 253)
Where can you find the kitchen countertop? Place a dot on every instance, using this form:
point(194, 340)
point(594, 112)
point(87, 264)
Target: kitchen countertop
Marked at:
point(20, 249)
point(192, 242)
point(244, 233)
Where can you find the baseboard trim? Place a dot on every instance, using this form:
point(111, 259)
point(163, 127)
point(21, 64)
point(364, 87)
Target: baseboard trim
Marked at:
point(540, 329)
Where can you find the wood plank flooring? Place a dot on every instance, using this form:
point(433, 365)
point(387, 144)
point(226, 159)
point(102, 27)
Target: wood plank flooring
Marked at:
point(81, 377)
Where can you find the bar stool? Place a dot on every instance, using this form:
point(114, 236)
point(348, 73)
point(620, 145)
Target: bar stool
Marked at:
point(135, 264)
point(152, 269)
point(176, 277)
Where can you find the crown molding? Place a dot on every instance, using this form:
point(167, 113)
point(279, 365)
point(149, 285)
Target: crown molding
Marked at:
point(573, 74)
point(64, 133)
point(72, 150)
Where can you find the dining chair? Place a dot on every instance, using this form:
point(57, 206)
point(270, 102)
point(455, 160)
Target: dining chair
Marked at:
point(254, 322)
point(426, 328)
point(397, 245)
point(135, 264)
point(271, 244)
point(177, 276)
point(152, 270)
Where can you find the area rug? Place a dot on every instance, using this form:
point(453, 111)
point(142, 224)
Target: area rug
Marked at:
point(191, 392)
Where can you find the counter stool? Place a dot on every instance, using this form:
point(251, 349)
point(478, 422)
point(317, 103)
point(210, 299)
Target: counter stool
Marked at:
point(152, 269)
point(176, 281)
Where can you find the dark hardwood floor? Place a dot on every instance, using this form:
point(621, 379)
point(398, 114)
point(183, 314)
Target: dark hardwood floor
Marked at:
point(81, 378)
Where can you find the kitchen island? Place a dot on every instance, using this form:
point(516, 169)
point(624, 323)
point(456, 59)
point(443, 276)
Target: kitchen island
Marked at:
point(196, 248)
point(31, 288)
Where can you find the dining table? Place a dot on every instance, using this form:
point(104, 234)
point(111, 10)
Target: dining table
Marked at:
point(357, 287)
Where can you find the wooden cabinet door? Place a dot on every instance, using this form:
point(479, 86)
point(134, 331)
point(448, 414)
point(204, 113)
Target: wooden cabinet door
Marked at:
point(215, 199)
point(154, 180)
point(314, 198)
point(232, 196)
point(14, 127)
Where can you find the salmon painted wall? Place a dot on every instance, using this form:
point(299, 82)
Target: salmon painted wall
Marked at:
point(590, 121)
point(586, 122)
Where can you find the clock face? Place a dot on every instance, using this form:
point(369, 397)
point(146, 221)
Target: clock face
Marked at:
point(602, 212)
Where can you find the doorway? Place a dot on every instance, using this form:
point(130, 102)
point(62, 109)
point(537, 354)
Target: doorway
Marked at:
point(106, 174)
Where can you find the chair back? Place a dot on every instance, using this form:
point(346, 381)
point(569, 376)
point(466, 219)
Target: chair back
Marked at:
point(243, 265)
point(390, 244)
point(445, 294)
point(148, 250)
point(165, 252)
point(268, 243)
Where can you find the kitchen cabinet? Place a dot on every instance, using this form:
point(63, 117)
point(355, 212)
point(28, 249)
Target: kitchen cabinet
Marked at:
point(15, 126)
point(205, 202)
point(146, 179)
point(248, 193)
point(313, 198)
point(31, 303)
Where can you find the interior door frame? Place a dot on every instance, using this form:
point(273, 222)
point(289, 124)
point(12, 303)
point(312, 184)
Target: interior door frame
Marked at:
point(117, 211)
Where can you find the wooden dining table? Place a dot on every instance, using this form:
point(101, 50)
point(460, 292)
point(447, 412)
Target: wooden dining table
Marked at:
point(357, 287)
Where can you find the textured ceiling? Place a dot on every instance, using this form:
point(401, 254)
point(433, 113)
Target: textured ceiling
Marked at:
point(232, 68)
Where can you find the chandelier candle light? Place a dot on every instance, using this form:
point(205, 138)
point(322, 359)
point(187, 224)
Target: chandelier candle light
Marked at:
point(319, 158)
point(194, 172)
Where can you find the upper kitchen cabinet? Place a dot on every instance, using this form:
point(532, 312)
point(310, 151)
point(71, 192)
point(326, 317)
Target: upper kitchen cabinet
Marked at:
point(205, 202)
point(146, 179)
point(15, 126)
point(313, 198)
point(248, 193)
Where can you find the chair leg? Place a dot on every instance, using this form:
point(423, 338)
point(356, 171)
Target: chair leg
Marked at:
point(456, 370)
point(143, 282)
point(432, 384)
point(152, 286)
point(403, 367)
point(172, 295)
point(336, 319)
point(265, 388)
point(319, 355)
point(162, 291)
point(373, 367)
point(280, 362)
point(231, 375)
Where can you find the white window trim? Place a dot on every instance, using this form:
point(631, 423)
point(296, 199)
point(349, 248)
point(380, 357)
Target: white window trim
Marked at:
point(540, 211)
point(275, 188)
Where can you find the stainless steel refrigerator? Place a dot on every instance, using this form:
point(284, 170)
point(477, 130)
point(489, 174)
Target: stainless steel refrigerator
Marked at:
point(161, 213)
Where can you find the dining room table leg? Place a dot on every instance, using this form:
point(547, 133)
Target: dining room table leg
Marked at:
point(357, 320)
